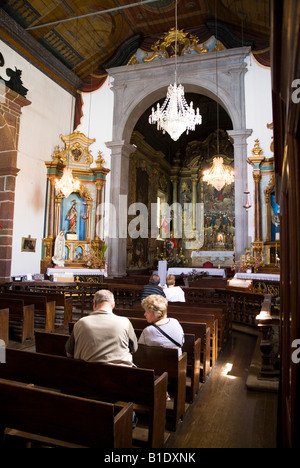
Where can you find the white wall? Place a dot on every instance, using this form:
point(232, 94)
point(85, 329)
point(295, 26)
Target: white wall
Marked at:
point(49, 115)
point(258, 91)
point(97, 122)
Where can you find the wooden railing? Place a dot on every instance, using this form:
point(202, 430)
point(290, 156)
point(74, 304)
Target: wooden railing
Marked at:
point(243, 306)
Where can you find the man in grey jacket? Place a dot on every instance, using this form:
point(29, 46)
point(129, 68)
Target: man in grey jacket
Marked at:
point(103, 336)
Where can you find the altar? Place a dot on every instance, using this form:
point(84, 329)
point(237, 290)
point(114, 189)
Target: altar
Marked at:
point(263, 283)
point(74, 228)
point(216, 257)
point(77, 274)
point(164, 271)
point(206, 271)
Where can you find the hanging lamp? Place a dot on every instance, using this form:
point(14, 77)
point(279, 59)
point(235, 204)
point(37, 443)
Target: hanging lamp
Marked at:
point(175, 116)
point(67, 184)
point(218, 175)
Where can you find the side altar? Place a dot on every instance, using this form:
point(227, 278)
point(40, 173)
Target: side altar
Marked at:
point(74, 224)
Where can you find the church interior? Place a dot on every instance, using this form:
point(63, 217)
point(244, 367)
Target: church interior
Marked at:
point(156, 136)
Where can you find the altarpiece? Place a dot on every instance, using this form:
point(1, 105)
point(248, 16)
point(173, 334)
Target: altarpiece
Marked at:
point(78, 215)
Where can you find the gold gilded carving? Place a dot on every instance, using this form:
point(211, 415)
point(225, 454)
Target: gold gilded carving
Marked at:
point(76, 149)
point(257, 151)
point(165, 47)
point(186, 44)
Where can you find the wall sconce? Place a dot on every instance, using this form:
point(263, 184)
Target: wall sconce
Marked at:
point(247, 200)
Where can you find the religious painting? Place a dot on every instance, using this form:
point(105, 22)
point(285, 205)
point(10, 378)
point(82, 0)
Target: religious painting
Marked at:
point(219, 218)
point(73, 213)
point(28, 244)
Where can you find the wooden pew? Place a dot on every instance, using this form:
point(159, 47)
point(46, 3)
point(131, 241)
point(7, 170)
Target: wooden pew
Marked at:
point(42, 307)
point(106, 382)
point(4, 325)
point(190, 325)
point(20, 312)
point(192, 347)
point(61, 301)
point(166, 360)
point(218, 310)
point(212, 324)
point(66, 418)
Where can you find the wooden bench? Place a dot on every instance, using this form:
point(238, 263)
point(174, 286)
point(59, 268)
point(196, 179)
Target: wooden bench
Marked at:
point(4, 325)
point(166, 360)
point(218, 310)
point(192, 347)
point(20, 312)
point(66, 418)
point(60, 299)
point(106, 382)
point(42, 307)
point(210, 321)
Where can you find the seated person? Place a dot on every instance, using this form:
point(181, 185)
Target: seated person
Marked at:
point(173, 293)
point(103, 336)
point(152, 288)
point(163, 331)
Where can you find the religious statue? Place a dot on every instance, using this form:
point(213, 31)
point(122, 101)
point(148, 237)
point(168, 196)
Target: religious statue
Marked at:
point(72, 217)
point(59, 250)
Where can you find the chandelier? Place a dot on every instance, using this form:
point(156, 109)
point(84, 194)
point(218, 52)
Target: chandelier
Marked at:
point(67, 184)
point(218, 175)
point(175, 116)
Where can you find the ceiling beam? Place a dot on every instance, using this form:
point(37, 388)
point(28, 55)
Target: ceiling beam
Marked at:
point(142, 2)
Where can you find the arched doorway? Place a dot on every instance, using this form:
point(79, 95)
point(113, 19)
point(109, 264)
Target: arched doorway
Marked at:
point(165, 174)
point(137, 87)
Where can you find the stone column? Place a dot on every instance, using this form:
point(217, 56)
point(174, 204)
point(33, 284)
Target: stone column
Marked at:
point(11, 104)
point(194, 199)
point(99, 219)
point(174, 181)
point(120, 152)
point(239, 139)
point(255, 161)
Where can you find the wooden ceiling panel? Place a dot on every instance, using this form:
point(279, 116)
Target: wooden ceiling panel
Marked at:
point(84, 44)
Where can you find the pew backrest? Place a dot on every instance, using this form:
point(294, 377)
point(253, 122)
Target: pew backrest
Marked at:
point(104, 382)
point(67, 418)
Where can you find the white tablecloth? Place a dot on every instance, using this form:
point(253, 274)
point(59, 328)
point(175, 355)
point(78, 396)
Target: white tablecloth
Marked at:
point(75, 271)
point(258, 276)
point(210, 271)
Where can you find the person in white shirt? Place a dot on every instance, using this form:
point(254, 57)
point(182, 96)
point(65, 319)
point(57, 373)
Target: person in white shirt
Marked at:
point(173, 293)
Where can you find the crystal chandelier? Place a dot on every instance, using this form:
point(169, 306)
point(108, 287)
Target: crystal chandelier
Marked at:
point(67, 184)
point(175, 116)
point(218, 175)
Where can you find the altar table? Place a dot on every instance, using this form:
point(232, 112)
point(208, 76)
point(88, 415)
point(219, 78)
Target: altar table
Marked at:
point(77, 274)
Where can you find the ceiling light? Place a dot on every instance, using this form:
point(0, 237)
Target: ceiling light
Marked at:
point(218, 175)
point(175, 116)
point(67, 184)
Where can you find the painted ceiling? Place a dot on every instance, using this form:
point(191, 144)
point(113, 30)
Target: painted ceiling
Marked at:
point(86, 43)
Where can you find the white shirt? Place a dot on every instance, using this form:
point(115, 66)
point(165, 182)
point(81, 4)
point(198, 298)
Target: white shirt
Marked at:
point(174, 294)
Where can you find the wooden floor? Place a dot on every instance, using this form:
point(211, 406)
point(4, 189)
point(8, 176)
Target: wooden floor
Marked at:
point(226, 414)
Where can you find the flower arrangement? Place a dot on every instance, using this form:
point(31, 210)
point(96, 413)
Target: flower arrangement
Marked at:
point(177, 260)
point(193, 276)
point(247, 262)
point(93, 259)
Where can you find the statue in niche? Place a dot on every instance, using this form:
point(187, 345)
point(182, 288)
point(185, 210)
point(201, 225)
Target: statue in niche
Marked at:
point(59, 250)
point(72, 218)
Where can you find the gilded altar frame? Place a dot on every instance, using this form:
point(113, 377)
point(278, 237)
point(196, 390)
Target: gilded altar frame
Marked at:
point(76, 155)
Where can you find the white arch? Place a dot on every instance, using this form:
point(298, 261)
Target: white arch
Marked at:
point(218, 75)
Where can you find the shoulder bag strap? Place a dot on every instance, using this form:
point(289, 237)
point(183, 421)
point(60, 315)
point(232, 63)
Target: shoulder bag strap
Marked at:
point(167, 336)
